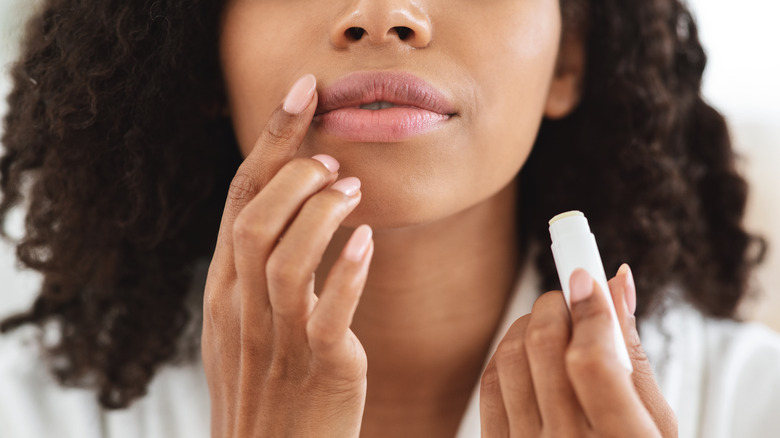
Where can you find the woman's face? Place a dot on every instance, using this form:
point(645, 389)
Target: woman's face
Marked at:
point(492, 60)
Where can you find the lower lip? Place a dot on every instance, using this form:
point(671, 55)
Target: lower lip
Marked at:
point(385, 125)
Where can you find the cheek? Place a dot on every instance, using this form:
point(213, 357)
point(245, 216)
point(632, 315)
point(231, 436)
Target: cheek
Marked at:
point(512, 67)
point(261, 45)
point(498, 56)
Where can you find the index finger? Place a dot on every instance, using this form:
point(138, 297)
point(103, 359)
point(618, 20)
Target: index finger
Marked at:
point(280, 140)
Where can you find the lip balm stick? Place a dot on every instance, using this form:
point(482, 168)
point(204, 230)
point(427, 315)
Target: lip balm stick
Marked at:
point(574, 246)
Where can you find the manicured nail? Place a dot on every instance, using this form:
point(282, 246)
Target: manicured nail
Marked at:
point(358, 243)
point(329, 162)
point(629, 288)
point(581, 285)
point(348, 186)
point(300, 95)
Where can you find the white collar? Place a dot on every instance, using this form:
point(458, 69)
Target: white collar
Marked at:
point(521, 302)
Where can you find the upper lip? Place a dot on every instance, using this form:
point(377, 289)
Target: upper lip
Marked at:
point(399, 88)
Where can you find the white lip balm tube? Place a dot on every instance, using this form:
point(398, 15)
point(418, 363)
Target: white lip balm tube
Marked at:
point(574, 246)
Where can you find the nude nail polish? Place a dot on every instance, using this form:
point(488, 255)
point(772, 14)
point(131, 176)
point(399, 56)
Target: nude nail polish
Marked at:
point(329, 162)
point(348, 186)
point(581, 285)
point(630, 290)
point(358, 244)
point(300, 94)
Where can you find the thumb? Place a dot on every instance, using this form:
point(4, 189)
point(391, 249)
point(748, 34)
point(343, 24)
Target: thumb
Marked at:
point(623, 290)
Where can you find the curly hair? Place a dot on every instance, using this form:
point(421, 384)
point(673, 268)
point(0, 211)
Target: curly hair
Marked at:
point(115, 139)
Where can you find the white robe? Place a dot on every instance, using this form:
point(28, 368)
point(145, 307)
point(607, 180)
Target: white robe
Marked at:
point(722, 379)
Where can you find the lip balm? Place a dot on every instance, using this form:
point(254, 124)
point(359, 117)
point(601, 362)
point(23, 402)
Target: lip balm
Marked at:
point(573, 247)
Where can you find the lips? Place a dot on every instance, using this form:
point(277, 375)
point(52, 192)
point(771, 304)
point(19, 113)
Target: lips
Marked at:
point(381, 107)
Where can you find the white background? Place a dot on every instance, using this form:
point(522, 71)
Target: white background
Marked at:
point(742, 40)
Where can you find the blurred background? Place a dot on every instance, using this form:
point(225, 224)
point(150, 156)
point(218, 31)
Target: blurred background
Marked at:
point(741, 80)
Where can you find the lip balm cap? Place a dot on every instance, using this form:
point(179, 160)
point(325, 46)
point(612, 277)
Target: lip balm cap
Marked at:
point(571, 222)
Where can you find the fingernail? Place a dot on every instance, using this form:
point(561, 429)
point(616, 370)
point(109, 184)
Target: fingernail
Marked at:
point(329, 162)
point(358, 243)
point(300, 95)
point(623, 270)
point(629, 288)
point(581, 285)
point(348, 186)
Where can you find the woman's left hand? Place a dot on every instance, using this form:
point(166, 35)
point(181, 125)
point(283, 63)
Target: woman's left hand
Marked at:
point(556, 374)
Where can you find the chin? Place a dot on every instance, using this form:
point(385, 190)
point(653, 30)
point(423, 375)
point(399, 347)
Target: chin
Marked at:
point(389, 208)
point(387, 214)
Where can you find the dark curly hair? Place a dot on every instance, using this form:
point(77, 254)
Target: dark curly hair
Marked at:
point(115, 139)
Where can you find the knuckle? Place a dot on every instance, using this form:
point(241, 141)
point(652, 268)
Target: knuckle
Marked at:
point(489, 381)
point(327, 206)
point(564, 429)
point(217, 310)
point(278, 133)
point(599, 316)
point(307, 171)
point(545, 335)
point(242, 228)
point(553, 298)
point(283, 271)
point(510, 353)
point(589, 360)
point(212, 306)
point(321, 336)
point(631, 334)
point(243, 188)
point(637, 353)
point(589, 309)
point(248, 229)
point(511, 350)
point(216, 291)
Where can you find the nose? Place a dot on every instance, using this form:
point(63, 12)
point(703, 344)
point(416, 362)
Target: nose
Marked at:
point(380, 22)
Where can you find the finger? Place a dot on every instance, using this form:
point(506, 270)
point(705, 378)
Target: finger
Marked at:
point(547, 338)
point(623, 290)
point(290, 268)
point(492, 413)
point(603, 387)
point(327, 328)
point(260, 225)
point(277, 144)
point(517, 388)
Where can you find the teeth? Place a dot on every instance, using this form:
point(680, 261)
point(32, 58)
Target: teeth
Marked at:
point(375, 106)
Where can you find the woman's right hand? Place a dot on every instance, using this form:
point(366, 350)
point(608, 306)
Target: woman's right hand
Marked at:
point(279, 360)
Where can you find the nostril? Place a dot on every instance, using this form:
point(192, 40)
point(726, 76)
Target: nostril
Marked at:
point(354, 33)
point(403, 32)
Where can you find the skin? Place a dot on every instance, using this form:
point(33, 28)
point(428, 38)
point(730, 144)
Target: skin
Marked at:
point(292, 321)
point(498, 87)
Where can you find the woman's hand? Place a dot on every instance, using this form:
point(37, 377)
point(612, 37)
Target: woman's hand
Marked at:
point(556, 375)
point(279, 360)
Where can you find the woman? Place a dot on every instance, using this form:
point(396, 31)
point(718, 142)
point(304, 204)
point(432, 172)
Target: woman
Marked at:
point(398, 163)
